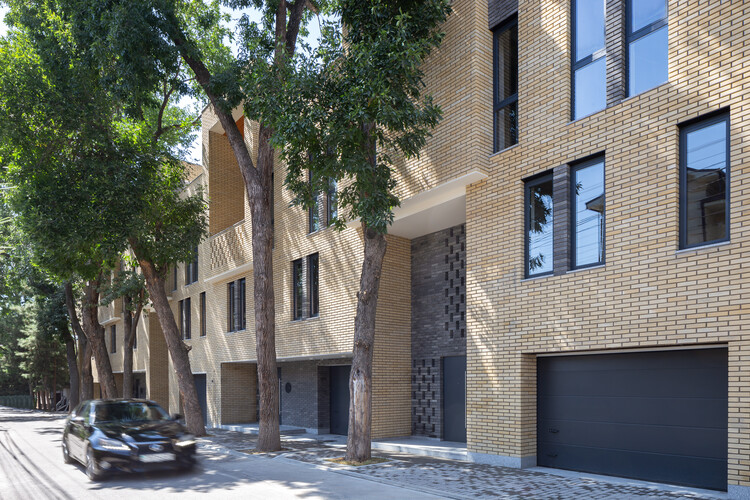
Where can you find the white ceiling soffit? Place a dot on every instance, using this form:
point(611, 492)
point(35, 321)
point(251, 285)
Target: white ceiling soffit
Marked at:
point(216, 127)
point(438, 208)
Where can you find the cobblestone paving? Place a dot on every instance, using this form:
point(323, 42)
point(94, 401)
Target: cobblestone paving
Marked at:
point(453, 478)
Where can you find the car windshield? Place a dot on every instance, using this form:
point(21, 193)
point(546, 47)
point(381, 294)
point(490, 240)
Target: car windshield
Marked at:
point(129, 412)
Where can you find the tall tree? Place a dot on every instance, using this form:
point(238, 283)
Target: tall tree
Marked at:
point(94, 172)
point(354, 106)
point(167, 33)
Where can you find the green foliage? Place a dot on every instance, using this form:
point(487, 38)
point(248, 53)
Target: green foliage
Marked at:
point(360, 92)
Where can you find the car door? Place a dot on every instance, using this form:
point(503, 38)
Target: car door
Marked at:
point(76, 430)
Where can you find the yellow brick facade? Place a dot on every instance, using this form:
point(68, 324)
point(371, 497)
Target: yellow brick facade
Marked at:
point(649, 294)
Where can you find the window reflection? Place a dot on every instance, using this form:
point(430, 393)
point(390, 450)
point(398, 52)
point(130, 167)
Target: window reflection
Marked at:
point(539, 226)
point(588, 213)
point(648, 45)
point(589, 61)
point(705, 179)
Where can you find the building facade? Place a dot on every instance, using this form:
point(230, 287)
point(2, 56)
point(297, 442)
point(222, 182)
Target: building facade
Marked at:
point(564, 280)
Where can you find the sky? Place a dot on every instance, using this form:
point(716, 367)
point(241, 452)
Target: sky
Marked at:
point(194, 154)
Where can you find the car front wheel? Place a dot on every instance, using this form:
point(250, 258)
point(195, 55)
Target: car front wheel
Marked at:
point(92, 468)
point(66, 452)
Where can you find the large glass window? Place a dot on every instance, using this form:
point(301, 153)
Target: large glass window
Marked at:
point(506, 84)
point(589, 58)
point(704, 181)
point(313, 284)
point(297, 289)
point(539, 212)
point(647, 45)
point(587, 216)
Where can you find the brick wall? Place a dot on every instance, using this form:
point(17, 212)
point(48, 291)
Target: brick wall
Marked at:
point(438, 324)
point(239, 385)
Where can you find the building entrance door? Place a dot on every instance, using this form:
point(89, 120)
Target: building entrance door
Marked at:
point(454, 398)
point(340, 399)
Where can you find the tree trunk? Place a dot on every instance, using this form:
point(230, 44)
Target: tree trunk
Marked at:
point(358, 445)
point(263, 295)
point(87, 377)
point(130, 329)
point(95, 335)
point(178, 351)
point(75, 381)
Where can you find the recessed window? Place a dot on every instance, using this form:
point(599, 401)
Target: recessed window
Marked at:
point(312, 284)
point(332, 198)
point(191, 269)
point(174, 277)
point(587, 214)
point(185, 318)
point(135, 340)
point(539, 234)
point(203, 314)
point(704, 181)
point(506, 84)
point(647, 45)
point(236, 305)
point(313, 213)
point(297, 289)
point(589, 58)
point(113, 339)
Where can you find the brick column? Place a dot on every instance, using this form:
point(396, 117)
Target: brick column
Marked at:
point(561, 219)
point(500, 10)
point(615, 45)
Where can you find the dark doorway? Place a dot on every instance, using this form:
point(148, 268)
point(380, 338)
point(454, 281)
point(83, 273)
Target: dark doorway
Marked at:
point(278, 372)
point(657, 416)
point(340, 399)
point(454, 398)
point(200, 387)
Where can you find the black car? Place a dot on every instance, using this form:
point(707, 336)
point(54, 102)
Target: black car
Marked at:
point(132, 435)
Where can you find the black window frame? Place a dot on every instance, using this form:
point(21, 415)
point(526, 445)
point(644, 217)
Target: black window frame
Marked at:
point(241, 303)
point(191, 269)
point(510, 23)
point(313, 284)
point(313, 212)
point(236, 308)
point(297, 290)
point(631, 37)
point(231, 291)
point(527, 185)
point(174, 277)
point(576, 64)
point(113, 339)
point(185, 317)
point(685, 128)
point(203, 314)
point(574, 166)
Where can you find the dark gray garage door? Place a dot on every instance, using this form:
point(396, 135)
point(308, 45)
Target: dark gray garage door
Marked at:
point(657, 416)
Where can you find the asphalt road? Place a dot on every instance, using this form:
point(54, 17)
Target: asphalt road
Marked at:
point(32, 468)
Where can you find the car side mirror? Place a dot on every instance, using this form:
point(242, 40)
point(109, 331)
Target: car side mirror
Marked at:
point(176, 416)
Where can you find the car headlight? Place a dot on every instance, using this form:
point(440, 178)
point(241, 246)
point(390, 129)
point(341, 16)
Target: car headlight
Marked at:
point(186, 440)
point(112, 445)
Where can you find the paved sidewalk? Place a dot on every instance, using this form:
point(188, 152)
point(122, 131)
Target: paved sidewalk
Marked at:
point(453, 478)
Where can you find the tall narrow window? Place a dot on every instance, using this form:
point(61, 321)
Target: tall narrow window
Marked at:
point(704, 181)
point(333, 201)
point(191, 269)
point(506, 84)
point(203, 314)
point(587, 217)
point(174, 277)
point(313, 214)
point(273, 220)
point(113, 339)
point(241, 313)
point(231, 292)
point(589, 58)
point(539, 226)
point(312, 284)
point(135, 340)
point(297, 289)
point(647, 44)
point(185, 318)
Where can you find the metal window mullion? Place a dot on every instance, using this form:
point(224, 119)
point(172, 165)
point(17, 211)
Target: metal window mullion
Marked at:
point(646, 30)
point(506, 102)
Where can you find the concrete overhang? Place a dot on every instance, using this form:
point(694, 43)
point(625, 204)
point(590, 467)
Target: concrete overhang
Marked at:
point(235, 271)
point(291, 359)
point(438, 208)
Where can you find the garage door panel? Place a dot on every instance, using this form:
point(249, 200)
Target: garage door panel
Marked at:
point(706, 443)
point(681, 412)
point(659, 415)
point(689, 471)
point(637, 382)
